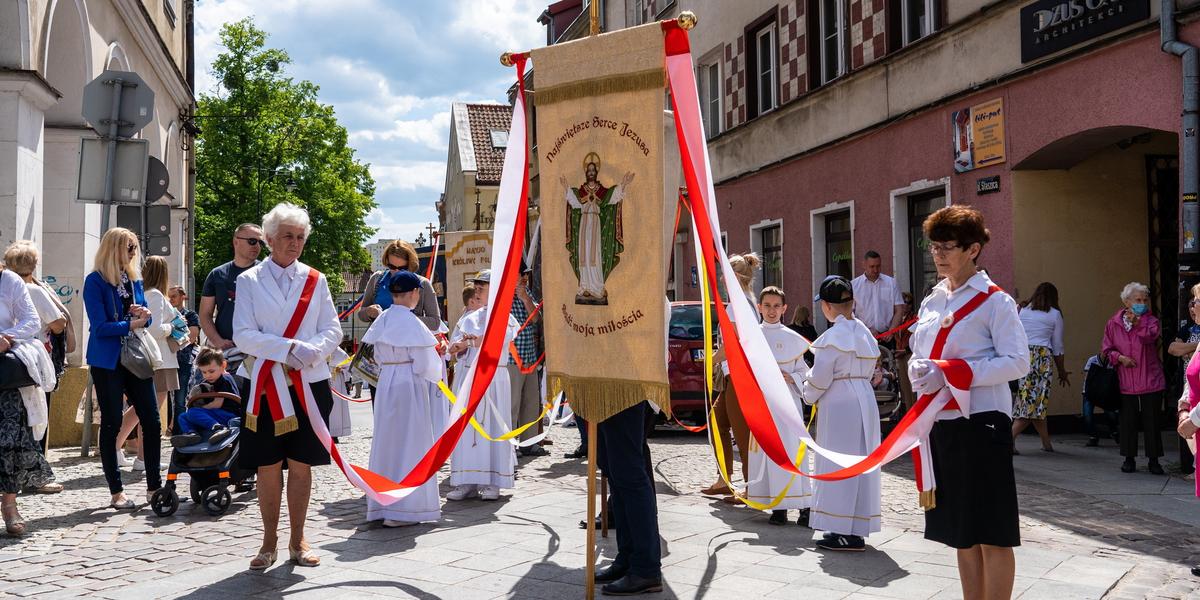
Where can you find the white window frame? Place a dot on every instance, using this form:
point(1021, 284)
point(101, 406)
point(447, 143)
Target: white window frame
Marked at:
point(816, 219)
point(931, 8)
point(901, 259)
point(707, 95)
point(769, 32)
point(757, 248)
point(840, 7)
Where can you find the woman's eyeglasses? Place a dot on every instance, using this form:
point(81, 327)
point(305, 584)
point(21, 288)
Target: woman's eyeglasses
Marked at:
point(942, 248)
point(252, 241)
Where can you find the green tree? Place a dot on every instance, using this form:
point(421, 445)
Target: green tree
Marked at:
point(266, 139)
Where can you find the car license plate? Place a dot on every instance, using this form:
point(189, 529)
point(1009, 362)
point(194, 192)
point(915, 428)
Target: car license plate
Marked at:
point(698, 354)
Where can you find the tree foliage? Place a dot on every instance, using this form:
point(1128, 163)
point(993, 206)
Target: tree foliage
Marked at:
point(261, 133)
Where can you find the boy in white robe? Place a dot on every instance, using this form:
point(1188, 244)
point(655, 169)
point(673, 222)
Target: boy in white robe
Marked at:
point(767, 479)
point(839, 383)
point(478, 466)
point(409, 361)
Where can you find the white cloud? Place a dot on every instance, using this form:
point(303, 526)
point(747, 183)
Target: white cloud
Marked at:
point(402, 223)
point(413, 175)
point(508, 25)
point(431, 133)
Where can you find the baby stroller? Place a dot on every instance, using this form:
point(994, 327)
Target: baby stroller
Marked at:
point(886, 382)
point(212, 467)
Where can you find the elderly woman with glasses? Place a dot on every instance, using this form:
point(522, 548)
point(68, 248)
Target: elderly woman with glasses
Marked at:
point(116, 307)
point(1131, 344)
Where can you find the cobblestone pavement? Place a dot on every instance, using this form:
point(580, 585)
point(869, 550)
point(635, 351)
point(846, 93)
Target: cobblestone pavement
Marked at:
point(528, 545)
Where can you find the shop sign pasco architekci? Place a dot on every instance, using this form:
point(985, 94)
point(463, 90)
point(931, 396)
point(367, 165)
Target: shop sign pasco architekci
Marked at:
point(1048, 26)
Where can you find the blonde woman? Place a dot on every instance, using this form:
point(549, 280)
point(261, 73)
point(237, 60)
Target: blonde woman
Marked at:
point(116, 306)
point(728, 412)
point(166, 378)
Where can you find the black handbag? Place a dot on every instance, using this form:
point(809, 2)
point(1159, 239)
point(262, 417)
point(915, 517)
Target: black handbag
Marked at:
point(1103, 386)
point(13, 373)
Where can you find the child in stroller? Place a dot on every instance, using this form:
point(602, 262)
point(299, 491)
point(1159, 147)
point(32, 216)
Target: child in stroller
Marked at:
point(208, 449)
point(211, 404)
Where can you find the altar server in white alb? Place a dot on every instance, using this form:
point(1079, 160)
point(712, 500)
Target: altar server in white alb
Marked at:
point(847, 419)
point(408, 363)
point(478, 466)
point(767, 480)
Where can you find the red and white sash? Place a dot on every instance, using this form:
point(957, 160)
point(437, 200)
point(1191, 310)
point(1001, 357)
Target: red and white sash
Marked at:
point(269, 378)
point(953, 400)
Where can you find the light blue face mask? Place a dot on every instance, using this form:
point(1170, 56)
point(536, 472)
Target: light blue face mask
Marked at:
point(1139, 309)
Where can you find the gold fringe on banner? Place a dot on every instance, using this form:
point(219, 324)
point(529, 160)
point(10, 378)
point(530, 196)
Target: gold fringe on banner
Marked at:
point(586, 88)
point(597, 399)
point(928, 500)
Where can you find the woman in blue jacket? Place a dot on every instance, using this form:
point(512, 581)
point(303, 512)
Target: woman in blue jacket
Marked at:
point(112, 295)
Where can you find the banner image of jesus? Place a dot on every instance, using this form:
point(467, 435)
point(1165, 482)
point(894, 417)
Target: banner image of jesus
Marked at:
point(594, 237)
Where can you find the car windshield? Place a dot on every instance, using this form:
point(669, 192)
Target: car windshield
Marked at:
point(687, 322)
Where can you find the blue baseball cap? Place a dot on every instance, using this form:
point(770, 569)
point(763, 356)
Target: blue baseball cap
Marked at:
point(404, 281)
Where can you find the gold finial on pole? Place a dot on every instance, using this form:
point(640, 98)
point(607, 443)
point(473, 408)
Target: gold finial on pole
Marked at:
point(687, 20)
point(594, 16)
point(506, 59)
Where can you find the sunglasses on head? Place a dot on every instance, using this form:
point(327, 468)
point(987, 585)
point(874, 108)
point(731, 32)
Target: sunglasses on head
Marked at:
point(251, 241)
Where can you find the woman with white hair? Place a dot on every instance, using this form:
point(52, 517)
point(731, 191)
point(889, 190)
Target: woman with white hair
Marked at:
point(285, 317)
point(1131, 343)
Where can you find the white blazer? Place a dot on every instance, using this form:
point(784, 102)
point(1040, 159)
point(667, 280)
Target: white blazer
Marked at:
point(161, 313)
point(263, 313)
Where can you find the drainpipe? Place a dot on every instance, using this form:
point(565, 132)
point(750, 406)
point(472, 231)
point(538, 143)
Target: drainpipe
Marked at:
point(1190, 187)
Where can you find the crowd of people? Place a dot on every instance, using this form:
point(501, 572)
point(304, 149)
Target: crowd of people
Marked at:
point(271, 352)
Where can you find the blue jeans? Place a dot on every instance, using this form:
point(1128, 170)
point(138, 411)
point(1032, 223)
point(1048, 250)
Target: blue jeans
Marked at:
point(179, 402)
point(1089, 419)
point(196, 420)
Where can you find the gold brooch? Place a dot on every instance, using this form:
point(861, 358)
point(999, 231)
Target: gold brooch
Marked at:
point(948, 320)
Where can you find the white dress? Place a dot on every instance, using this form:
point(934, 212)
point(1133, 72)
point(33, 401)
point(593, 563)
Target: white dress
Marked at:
point(476, 460)
point(766, 478)
point(408, 362)
point(847, 422)
point(439, 405)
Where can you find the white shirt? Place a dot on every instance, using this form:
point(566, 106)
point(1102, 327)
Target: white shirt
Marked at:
point(1044, 329)
point(875, 301)
point(284, 276)
point(47, 310)
point(990, 339)
point(18, 318)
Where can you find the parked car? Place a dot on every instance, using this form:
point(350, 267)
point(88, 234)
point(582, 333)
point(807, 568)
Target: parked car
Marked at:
point(685, 370)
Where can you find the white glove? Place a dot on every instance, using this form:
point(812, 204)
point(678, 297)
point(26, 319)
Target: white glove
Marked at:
point(294, 363)
point(305, 352)
point(926, 376)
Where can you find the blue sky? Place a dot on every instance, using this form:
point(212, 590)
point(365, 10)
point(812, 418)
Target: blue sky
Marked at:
point(391, 69)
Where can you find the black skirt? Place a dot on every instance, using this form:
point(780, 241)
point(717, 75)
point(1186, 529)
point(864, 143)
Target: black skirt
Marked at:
point(976, 491)
point(262, 448)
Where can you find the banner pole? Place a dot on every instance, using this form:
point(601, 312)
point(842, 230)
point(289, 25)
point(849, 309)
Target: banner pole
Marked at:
point(590, 580)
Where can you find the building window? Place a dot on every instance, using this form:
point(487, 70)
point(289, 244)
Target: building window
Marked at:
point(922, 271)
point(771, 246)
point(169, 9)
point(499, 138)
point(918, 19)
point(762, 65)
point(831, 45)
point(839, 250)
point(710, 98)
point(645, 11)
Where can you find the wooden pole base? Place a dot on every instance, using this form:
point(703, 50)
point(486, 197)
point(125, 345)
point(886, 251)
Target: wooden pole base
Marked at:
point(590, 580)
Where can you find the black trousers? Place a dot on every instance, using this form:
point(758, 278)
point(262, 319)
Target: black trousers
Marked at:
point(112, 387)
point(1141, 412)
point(623, 455)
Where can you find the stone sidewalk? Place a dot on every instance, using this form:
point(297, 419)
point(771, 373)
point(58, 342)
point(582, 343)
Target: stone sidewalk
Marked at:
point(1088, 531)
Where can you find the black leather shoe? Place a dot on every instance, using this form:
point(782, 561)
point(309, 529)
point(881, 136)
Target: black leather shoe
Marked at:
point(1128, 466)
point(610, 573)
point(1156, 468)
point(579, 452)
point(802, 520)
point(632, 585)
point(1196, 570)
point(778, 517)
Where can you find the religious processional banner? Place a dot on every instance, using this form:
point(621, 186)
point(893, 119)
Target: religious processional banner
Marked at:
point(604, 219)
point(467, 253)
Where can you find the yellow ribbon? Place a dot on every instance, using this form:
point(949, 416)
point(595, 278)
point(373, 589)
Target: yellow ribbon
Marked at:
point(479, 428)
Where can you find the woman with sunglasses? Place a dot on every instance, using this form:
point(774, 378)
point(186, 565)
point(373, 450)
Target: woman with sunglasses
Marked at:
point(116, 306)
point(399, 256)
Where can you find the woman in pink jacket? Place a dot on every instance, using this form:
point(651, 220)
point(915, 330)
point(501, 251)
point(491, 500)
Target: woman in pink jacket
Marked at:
point(1131, 343)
